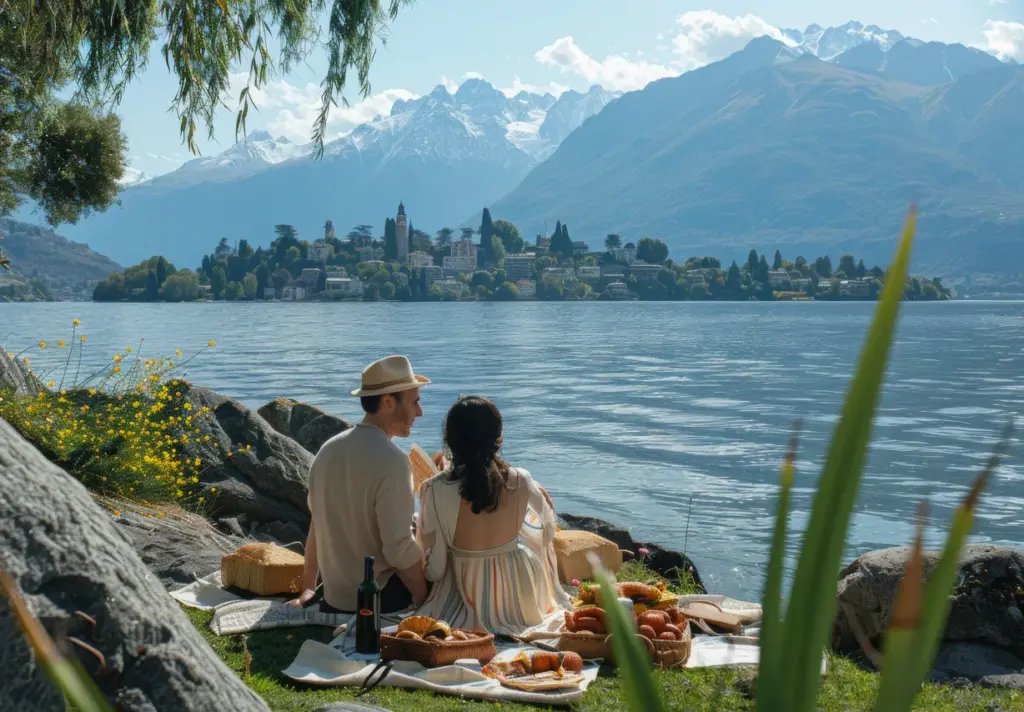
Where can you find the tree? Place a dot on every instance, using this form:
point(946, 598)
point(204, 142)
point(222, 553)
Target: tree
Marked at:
point(161, 271)
point(245, 251)
point(777, 263)
point(467, 233)
point(612, 242)
point(561, 245)
point(582, 290)
point(823, 266)
point(511, 240)
point(848, 266)
point(233, 291)
point(481, 278)
point(152, 287)
point(262, 278)
point(293, 255)
point(486, 233)
point(387, 291)
point(752, 262)
point(507, 292)
point(281, 278)
point(497, 250)
point(761, 273)
point(733, 282)
point(181, 286)
point(249, 285)
point(218, 280)
point(390, 239)
point(371, 293)
point(801, 264)
point(651, 250)
point(444, 237)
point(861, 270)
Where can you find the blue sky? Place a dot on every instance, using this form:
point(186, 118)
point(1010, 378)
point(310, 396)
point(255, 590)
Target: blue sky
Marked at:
point(548, 45)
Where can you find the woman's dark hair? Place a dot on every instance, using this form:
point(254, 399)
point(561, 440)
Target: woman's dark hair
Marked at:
point(472, 434)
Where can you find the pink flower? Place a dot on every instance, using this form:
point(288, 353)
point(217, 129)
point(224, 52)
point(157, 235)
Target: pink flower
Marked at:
point(643, 552)
point(575, 582)
point(689, 569)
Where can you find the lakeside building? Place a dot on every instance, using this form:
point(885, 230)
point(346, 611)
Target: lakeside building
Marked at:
point(463, 257)
point(855, 288)
point(418, 260)
point(613, 272)
point(778, 277)
point(527, 288)
point(519, 266)
point(645, 272)
point(433, 273)
point(579, 248)
point(624, 254)
point(269, 294)
point(694, 276)
point(345, 286)
point(566, 272)
point(319, 251)
point(449, 286)
point(588, 273)
point(619, 290)
point(370, 254)
point(310, 276)
point(294, 292)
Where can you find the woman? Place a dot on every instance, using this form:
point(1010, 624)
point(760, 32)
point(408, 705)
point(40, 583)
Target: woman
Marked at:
point(486, 530)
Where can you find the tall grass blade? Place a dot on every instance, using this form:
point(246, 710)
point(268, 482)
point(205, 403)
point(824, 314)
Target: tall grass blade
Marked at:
point(898, 687)
point(631, 657)
point(770, 682)
point(812, 606)
point(68, 675)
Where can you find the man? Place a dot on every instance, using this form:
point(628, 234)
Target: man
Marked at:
point(361, 498)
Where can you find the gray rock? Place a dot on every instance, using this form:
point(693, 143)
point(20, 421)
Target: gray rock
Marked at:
point(68, 557)
point(979, 662)
point(266, 484)
point(177, 546)
point(665, 562)
point(15, 376)
point(307, 425)
point(985, 609)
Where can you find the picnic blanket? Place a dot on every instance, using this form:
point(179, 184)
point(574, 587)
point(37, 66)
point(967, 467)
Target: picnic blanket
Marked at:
point(233, 613)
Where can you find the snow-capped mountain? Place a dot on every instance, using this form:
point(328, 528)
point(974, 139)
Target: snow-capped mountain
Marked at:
point(133, 176)
point(445, 154)
point(829, 42)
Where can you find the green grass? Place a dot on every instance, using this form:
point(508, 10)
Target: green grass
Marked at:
point(847, 688)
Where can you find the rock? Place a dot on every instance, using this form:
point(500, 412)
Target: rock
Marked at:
point(983, 664)
point(15, 376)
point(985, 610)
point(266, 484)
point(348, 707)
point(68, 557)
point(665, 562)
point(307, 425)
point(176, 545)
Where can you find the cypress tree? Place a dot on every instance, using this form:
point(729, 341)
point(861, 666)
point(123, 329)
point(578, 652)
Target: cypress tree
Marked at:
point(486, 233)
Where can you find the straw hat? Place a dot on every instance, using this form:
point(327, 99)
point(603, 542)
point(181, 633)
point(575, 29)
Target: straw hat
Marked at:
point(389, 375)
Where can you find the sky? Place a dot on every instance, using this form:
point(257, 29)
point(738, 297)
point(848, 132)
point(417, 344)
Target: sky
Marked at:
point(543, 45)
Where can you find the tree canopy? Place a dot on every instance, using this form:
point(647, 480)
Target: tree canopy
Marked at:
point(69, 156)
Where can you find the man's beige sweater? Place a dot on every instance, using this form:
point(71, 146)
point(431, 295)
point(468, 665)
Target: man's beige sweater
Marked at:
point(361, 500)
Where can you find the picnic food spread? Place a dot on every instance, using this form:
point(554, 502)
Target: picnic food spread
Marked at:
point(537, 671)
point(434, 643)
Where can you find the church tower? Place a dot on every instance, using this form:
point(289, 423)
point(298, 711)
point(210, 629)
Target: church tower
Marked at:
point(402, 233)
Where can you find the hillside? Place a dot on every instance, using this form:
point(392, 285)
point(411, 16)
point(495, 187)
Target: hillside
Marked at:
point(67, 269)
point(768, 147)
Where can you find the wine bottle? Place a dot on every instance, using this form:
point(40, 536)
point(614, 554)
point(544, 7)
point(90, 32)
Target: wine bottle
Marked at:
point(368, 619)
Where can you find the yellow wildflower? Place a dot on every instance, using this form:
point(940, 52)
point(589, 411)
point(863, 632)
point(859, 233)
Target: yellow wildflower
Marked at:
point(128, 350)
point(76, 322)
point(27, 362)
point(213, 489)
point(117, 512)
point(92, 391)
point(187, 406)
point(198, 462)
point(60, 343)
point(42, 344)
point(82, 338)
point(212, 343)
point(117, 369)
point(177, 352)
point(51, 384)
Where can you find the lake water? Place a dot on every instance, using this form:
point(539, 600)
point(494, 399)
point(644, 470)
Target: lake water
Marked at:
point(626, 411)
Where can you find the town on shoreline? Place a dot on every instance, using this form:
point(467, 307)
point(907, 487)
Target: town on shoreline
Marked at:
point(408, 265)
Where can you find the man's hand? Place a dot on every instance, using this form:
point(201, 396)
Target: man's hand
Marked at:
point(548, 498)
point(303, 600)
point(440, 461)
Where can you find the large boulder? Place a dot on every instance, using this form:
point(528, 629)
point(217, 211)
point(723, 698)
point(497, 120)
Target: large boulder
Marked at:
point(263, 482)
point(663, 561)
point(984, 636)
point(307, 425)
point(82, 580)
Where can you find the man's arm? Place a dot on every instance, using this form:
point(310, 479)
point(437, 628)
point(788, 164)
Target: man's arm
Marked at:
point(395, 508)
point(310, 570)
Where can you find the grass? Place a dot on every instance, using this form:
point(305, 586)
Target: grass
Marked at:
point(847, 687)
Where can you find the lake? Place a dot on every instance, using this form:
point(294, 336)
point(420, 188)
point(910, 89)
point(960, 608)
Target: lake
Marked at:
point(628, 411)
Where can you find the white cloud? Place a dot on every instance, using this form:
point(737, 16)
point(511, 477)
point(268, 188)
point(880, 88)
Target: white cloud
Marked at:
point(291, 111)
point(613, 72)
point(518, 85)
point(998, 2)
point(450, 85)
point(472, 75)
point(929, 21)
point(706, 36)
point(1004, 39)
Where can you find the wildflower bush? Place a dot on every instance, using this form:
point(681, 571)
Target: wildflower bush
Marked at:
point(121, 428)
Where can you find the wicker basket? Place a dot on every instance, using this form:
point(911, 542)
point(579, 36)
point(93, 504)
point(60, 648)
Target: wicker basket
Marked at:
point(433, 653)
point(571, 549)
point(664, 653)
point(586, 644)
point(673, 653)
point(263, 569)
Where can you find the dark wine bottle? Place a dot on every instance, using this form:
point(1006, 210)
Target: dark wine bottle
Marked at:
point(368, 618)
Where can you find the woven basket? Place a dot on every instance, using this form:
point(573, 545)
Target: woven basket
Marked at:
point(263, 569)
point(571, 549)
point(673, 653)
point(433, 653)
point(586, 644)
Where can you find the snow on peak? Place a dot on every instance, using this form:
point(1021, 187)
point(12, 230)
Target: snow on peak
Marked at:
point(829, 42)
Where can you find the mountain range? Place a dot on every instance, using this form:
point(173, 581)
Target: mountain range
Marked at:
point(816, 140)
point(771, 147)
point(445, 154)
